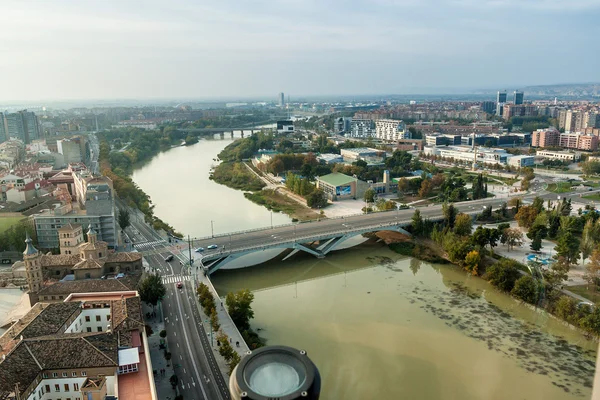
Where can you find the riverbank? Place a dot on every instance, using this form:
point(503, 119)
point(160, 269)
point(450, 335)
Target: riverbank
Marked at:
point(278, 202)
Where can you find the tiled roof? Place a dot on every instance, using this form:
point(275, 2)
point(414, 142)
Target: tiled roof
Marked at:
point(130, 282)
point(123, 257)
point(56, 260)
point(51, 320)
point(69, 351)
point(68, 227)
point(126, 314)
point(16, 329)
point(90, 263)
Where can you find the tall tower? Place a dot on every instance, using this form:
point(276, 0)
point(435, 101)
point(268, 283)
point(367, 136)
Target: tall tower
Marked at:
point(92, 235)
point(518, 97)
point(281, 99)
point(33, 266)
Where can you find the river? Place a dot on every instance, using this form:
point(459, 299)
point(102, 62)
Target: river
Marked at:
point(379, 325)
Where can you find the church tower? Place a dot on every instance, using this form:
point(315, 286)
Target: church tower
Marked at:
point(33, 266)
point(92, 235)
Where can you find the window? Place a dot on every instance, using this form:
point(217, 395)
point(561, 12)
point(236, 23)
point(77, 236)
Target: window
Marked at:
point(87, 318)
point(45, 375)
point(89, 329)
point(76, 386)
point(74, 374)
point(108, 317)
point(66, 387)
point(99, 329)
point(47, 388)
point(64, 374)
point(55, 374)
point(98, 318)
point(57, 388)
point(83, 373)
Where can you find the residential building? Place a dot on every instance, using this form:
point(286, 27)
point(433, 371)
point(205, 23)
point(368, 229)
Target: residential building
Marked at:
point(342, 124)
point(518, 110)
point(391, 130)
point(89, 347)
point(518, 97)
point(569, 156)
point(281, 99)
point(70, 150)
point(362, 128)
point(521, 161)
point(545, 138)
point(22, 125)
point(587, 142)
point(410, 144)
point(488, 106)
point(338, 186)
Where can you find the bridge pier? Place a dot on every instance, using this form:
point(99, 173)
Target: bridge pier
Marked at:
point(222, 134)
point(242, 133)
point(232, 134)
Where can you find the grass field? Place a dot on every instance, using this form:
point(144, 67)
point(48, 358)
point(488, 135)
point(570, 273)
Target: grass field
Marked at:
point(593, 197)
point(560, 187)
point(7, 222)
point(583, 291)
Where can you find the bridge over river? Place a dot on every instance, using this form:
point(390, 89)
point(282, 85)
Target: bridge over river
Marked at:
point(318, 237)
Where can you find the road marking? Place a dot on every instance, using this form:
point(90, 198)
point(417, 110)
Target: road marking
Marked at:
point(181, 358)
point(187, 342)
point(177, 344)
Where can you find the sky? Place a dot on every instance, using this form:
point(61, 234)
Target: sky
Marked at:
point(129, 49)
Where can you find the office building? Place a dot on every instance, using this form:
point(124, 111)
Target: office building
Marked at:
point(488, 106)
point(521, 161)
point(440, 140)
point(22, 125)
point(482, 155)
point(281, 99)
point(285, 126)
point(3, 132)
point(569, 156)
point(501, 97)
point(342, 124)
point(391, 130)
point(362, 128)
point(338, 186)
point(362, 153)
point(518, 97)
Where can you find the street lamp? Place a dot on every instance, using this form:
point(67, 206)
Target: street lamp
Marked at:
point(212, 229)
point(211, 332)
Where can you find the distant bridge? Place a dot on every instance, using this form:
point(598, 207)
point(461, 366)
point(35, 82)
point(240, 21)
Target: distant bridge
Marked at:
point(319, 237)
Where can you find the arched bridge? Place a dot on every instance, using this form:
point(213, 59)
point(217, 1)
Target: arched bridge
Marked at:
point(319, 237)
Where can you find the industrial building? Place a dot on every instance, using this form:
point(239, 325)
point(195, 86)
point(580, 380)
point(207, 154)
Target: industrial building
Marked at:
point(338, 186)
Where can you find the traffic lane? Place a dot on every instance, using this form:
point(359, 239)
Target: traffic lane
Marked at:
point(189, 372)
point(211, 373)
point(179, 354)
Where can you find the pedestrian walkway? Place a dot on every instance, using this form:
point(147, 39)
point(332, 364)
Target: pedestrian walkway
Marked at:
point(140, 246)
point(159, 363)
point(175, 278)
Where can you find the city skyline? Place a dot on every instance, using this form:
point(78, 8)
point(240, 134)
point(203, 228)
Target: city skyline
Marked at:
point(66, 50)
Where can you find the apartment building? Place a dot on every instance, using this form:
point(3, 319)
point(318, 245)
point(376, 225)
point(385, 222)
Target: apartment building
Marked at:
point(391, 130)
point(545, 138)
point(362, 128)
point(518, 110)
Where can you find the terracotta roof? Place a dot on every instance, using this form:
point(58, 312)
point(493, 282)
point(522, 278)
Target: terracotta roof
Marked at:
point(90, 263)
point(55, 260)
point(130, 282)
point(51, 320)
point(123, 257)
point(15, 330)
point(126, 314)
point(69, 351)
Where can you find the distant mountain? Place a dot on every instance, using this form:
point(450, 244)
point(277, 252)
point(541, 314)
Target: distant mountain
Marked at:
point(565, 90)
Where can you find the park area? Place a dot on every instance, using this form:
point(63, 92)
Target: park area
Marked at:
point(9, 220)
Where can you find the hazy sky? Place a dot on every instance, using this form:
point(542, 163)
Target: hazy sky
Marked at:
point(59, 49)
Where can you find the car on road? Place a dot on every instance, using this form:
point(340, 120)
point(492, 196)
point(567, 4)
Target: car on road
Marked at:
point(169, 258)
point(179, 285)
point(199, 250)
point(212, 247)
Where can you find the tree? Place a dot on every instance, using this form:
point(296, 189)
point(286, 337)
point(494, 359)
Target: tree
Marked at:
point(514, 237)
point(526, 216)
point(558, 272)
point(538, 204)
point(225, 348)
point(174, 380)
point(123, 218)
point(463, 224)
point(536, 243)
point(369, 195)
point(239, 306)
point(588, 241)
point(566, 308)
point(449, 212)
point(214, 320)
point(163, 334)
point(426, 188)
point(472, 261)
point(567, 247)
point(417, 223)
point(525, 289)
point(592, 275)
point(317, 199)
point(403, 185)
point(516, 203)
point(152, 289)
point(503, 274)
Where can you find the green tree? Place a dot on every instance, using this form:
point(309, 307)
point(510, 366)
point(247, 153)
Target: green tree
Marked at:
point(214, 320)
point(239, 306)
point(503, 275)
point(174, 380)
point(163, 334)
point(592, 269)
point(463, 225)
point(566, 308)
point(317, 199)
point(536, 243)
point(152, 289)
point(449, 212)
point(558, 272)
point(567, 247)
point(123, 218)
point(369, 195)
point(417, 223)
point(588, 241)
point(525, 289)
point(514, 237)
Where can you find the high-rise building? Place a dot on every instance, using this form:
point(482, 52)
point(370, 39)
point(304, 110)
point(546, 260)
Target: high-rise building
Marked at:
point(488, 106)
point(362, 128)
point(70, 150)
point(3, 133)
point(281, 99)
point(391, 130)
point(22, 125)
point(518, 97)
point(501, 97)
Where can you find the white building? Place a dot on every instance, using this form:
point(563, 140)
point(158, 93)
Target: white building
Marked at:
point(521, 161)
point(70, 150)
point(482, 155)
point(391, 130)
point(362, 128)
point(570, 156)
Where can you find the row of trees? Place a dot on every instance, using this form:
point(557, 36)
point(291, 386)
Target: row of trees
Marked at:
point(207, 301)
point(239, 307)
point(13, 238)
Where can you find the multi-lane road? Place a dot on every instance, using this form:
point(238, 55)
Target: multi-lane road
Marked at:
point(187, 340)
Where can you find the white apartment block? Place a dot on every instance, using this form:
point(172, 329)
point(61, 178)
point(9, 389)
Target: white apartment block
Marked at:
point(70, 150)
point(362, 128)
point(391, 130)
